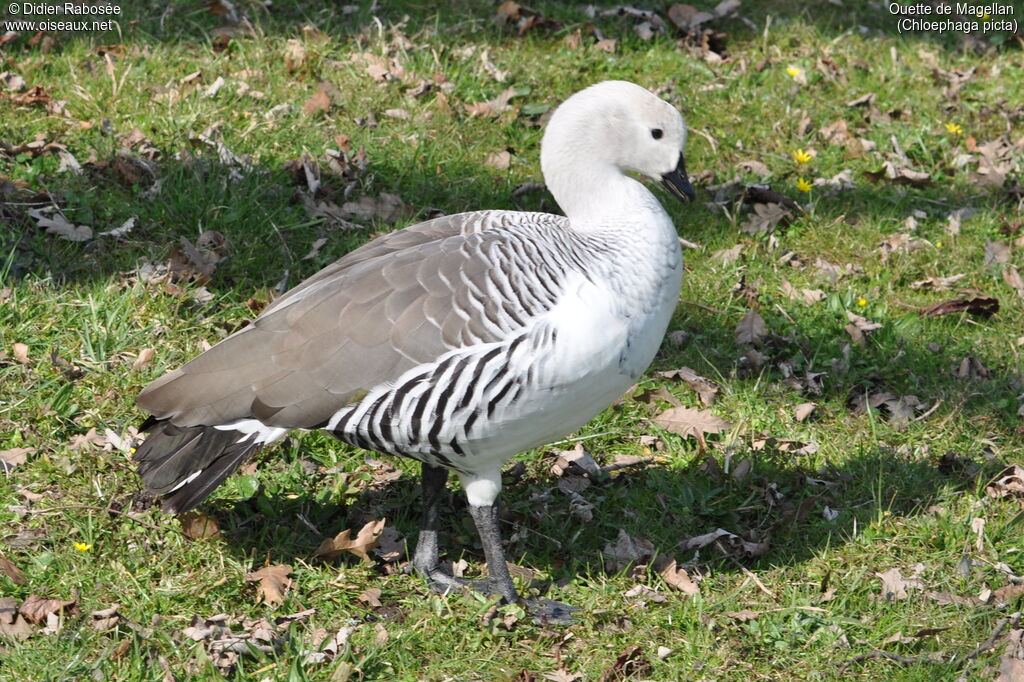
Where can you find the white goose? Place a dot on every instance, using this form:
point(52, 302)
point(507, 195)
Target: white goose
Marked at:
point(459, 341)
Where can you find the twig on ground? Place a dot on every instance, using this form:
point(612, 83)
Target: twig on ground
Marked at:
point(990, 642)
point(52, 510)
point(878, 653)
point(757, 581)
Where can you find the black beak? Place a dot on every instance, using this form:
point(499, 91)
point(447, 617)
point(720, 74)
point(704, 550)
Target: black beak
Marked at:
point(677, 182)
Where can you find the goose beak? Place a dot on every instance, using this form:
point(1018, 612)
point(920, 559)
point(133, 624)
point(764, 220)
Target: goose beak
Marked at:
point(677, 182)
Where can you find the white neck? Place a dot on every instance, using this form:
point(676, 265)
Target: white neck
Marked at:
point(596, 195)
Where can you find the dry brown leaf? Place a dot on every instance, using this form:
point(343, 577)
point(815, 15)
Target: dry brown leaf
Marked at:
point(197, 525)
point(676, 577)
point(937, 282)
point(862, 101)
point(15, 574)
point(981, 306)
point(728, 543)
point(370, 596)
point(688, 17)
point(390, 545)
point(1012, 277)
point(143, 359)
point(626, 550)
point(318, 103)
point(501, 160)
point(607, 45)
point(1011, 662)
point(751, 329)
point(900, 175)
point(386, 208)
point(294, 54)
point(808, 296)
point(1009, 483)
point(561, 675)
point(577, 458)
point(895, 587)
point(765, 218)
point(104, 619)
point(14, 457)
point(743, 615)
point(493, 107)
point(630, 663)
point(20, 351)
point(274, 583)
point(366, 539)
point(753, 166)
point(59, 225)
point(706, 389)
point(804, 410)
point(730, 255)
point(12, 623)
point(996, 253)
point(36, 609)
point(687, 421)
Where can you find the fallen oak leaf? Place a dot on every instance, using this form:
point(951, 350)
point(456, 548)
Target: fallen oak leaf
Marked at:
point(36, 609)
point(273, 581)
point(14, 457)
point(59, 225)
point(751, 329)
point(895, 587)
point(687, 421)
point(370, 596)
point(366, 539)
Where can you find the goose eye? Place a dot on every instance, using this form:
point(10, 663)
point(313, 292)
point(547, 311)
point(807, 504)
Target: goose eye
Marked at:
point(656, 133)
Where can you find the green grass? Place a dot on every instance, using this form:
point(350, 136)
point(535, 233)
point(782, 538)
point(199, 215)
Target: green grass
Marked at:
point(85, 316)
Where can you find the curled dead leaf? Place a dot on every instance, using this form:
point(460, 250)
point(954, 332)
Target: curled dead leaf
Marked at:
point(981, 306)
point(706, 389)
point(197, 525)
point(366, 539)
point(675, 576)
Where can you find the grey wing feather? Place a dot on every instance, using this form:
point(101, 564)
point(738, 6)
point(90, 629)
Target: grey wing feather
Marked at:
point(397, 302)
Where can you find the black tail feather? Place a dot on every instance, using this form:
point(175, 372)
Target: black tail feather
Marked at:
point(171, 455)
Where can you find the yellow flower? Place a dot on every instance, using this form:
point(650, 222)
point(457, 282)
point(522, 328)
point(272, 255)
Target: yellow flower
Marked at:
point(954, 128)
point(938, 244)
point(800, 156)
point(803, 185)
point(83, 546)
point(862, 302)
point(794, 71)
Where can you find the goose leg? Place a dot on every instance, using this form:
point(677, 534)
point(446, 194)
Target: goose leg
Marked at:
point(498, 581)
point(425, 558)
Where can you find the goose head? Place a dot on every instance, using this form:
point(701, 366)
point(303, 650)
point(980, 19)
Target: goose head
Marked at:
point(615, 125)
